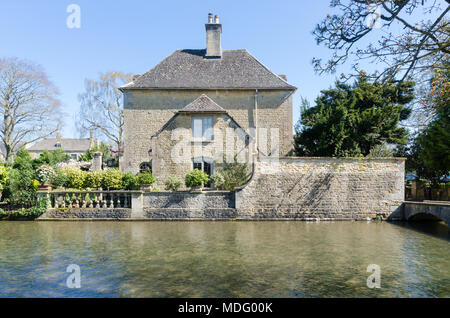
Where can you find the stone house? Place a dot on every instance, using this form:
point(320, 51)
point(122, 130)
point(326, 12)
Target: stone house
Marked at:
point(199, 106)
point(74, 147)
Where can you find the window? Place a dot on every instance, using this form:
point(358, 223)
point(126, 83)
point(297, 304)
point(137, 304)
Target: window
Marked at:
point(145, 167)
point(74, 156)
point(203, 164)
point(202, 128)
point(58, 145)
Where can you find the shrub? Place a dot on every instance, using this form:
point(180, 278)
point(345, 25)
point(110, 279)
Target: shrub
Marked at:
point(45, 174)
point(60, 178)
point(218, 180)
point(51, 158)
point(73, 177)
point(129, 181)
point(4, 174)
point(195, 178)
point(146, 178)
point(112, 179)
point(235, 174)
point(173, 183)
point(21, 188)
point(93, 180)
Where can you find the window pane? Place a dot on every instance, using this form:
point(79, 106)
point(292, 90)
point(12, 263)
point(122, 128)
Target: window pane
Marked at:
point(197, 128)
point(208, 128)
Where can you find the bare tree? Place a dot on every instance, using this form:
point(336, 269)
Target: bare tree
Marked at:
point(101, 107)
point(29, 106)
point(405, 37)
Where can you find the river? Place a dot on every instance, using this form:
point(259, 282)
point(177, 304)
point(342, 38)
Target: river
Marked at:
point(223, 259)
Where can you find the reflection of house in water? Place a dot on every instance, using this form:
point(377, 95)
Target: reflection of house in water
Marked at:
point(72, 146)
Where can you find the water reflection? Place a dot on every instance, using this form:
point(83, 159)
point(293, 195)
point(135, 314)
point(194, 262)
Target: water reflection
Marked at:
point(222, 259)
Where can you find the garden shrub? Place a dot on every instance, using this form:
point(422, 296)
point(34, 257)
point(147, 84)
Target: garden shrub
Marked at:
point(173, 183)
point(74, 177)
point(93, 180)
point(60, 178)
point(4, 174)
point(112, 179)
point(45, 174)
point(51, 158)
point(22, 189)
point(218, 180)
point(129, 181)
point(235, 174)
point(146, 178)
point(195, 178)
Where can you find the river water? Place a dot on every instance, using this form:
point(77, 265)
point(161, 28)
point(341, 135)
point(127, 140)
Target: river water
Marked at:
point(223, 259)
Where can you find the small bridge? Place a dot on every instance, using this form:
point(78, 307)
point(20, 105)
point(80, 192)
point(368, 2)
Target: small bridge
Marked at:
point(427, 211)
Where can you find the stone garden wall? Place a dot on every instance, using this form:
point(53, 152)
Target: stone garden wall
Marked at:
point(323, 188)
point(288, 188)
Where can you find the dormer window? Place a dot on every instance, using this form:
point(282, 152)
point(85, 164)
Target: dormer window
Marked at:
point(202, 128)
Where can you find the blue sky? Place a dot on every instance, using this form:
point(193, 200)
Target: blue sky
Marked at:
point(133, 36)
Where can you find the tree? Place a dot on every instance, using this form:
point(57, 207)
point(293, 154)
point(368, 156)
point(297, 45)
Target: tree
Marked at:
point(28, 105)
point(101, 106)
point(22, 187)
point(405, 47)
point(102, 147)
point(51, 158)
point(351, 120)
point(429, 153)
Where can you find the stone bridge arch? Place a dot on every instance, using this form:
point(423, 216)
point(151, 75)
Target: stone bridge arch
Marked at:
point(427, 211)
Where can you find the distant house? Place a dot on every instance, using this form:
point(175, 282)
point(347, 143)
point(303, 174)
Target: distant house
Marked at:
point(71, 146)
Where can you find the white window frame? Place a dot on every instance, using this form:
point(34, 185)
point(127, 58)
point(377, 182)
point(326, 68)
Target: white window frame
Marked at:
point(206, 124)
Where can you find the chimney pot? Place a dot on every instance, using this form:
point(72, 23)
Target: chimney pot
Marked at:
point(213, 31)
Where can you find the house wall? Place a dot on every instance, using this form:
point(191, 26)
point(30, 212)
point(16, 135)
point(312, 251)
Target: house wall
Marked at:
point(173, 157)
point(146, 111)
point(35, 154)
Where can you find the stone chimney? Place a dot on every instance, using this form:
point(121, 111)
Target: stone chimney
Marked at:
point(58, 137)
point(213, 31)
point(92, 141)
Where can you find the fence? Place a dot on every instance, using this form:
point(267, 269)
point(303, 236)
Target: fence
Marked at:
point(88, 199)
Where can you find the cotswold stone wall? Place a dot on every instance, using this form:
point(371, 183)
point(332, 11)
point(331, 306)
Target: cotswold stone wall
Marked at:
point(147, 111)
point(87, 213)
point(323, 188)
point(291, 188)
point(186, 205)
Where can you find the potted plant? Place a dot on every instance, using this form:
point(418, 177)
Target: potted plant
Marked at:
point(195, 180)
point(145, 180)
point(45, 173)
point(173, 183)
point(218, 180)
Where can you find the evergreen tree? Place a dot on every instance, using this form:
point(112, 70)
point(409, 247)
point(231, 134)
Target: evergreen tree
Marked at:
point(350, 120)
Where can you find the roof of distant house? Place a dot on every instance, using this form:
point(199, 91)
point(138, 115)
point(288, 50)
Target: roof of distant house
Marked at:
point(191, 69)
point(67, 144)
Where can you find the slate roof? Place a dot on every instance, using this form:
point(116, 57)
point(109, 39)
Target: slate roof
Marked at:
point(67, 144)
point(189, 69)
point(203, 104)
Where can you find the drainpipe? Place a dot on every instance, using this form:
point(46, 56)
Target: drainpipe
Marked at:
point(256, 121)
